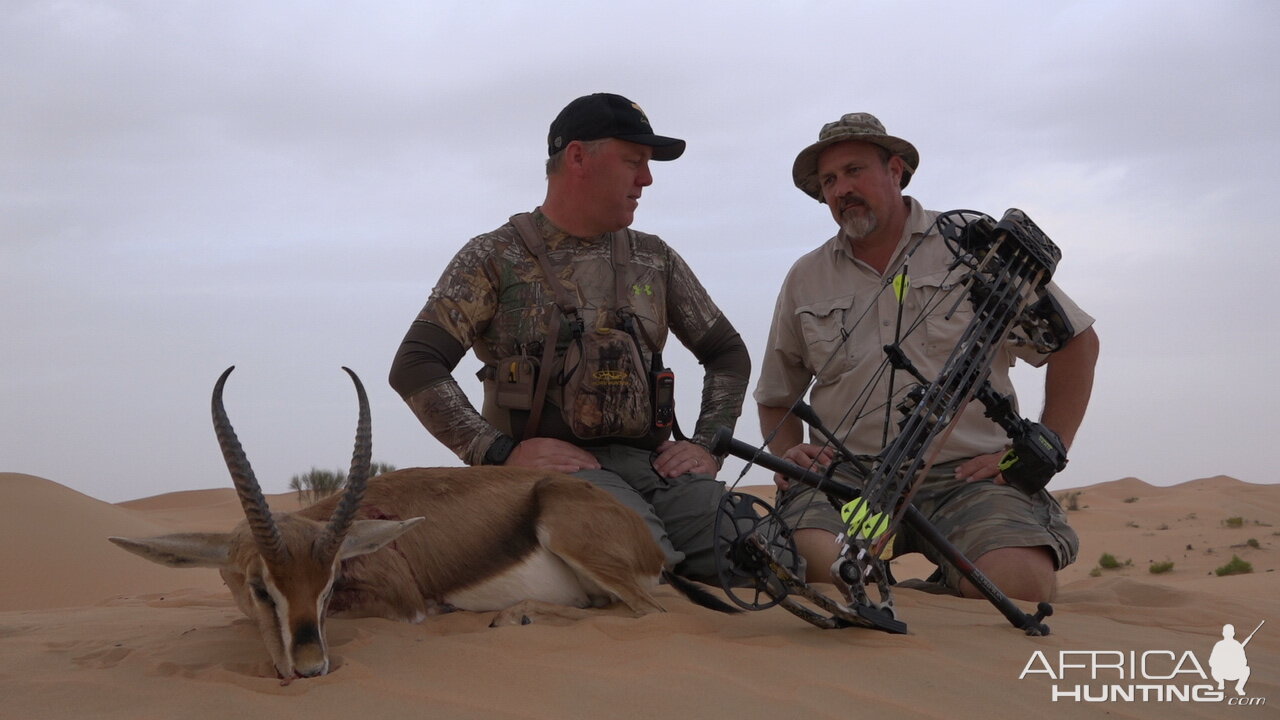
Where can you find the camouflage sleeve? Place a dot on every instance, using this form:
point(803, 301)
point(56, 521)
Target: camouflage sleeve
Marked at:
point(427, 355)
point(724, 384)
point(446, 413)
point(423, 375)
point(465, 298)
point(700, 326)
point(459, 309)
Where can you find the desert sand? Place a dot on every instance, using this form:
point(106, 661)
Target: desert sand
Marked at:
point(88, 631)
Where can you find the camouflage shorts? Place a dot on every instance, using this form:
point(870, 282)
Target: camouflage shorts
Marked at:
point(976, 517)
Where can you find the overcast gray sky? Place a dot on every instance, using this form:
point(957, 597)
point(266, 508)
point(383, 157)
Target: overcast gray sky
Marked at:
point(277, 185)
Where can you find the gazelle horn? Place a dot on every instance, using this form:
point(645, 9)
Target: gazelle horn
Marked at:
point(329, 543)
point(265, 532)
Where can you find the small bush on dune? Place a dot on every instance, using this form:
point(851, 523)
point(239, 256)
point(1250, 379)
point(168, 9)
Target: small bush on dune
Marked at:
point(318, 484)
point(1109, 562)
point(378, 468)
point(1235, 567)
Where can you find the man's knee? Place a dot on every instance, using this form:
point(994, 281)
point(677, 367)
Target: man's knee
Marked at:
point(820, 549)
point(622, 491)
point(1022, 573)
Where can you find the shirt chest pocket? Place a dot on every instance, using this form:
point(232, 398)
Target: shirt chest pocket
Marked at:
point(946, 300)
point(824, 327)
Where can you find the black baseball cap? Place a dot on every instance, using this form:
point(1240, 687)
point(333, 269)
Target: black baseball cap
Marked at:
point(605, 115)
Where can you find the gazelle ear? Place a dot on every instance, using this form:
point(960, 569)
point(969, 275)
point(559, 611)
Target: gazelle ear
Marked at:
point(366, 536)
point(181, 550)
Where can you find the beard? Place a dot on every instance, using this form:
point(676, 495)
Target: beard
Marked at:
point(855, 225)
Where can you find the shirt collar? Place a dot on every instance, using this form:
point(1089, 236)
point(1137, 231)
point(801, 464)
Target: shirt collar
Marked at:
point(554, 236)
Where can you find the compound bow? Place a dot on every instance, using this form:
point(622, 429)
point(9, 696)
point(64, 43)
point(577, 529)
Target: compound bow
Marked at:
point(1005, 267)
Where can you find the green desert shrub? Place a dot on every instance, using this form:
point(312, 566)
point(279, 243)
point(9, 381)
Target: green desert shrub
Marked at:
point(317, 484)
point(1109, 562)
point(1235, 567)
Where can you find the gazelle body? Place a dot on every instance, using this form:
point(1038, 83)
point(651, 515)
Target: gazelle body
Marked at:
point(415, 542)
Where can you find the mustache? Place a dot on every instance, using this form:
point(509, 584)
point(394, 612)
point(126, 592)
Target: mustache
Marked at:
point(847, 201)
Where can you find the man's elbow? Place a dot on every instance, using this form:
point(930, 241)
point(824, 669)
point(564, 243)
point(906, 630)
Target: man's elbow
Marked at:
point(1082, 349)
point(426, 356)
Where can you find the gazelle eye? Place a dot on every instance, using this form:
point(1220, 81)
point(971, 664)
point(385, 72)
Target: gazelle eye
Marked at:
point(260, 592)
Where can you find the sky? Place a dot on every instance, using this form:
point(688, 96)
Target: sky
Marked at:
point(189, 185)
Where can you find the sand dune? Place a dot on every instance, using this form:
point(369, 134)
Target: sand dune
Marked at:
point(89, 631)
point(67, 563)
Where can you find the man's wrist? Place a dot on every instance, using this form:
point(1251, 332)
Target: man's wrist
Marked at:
point(706, 445)
point(499, 450)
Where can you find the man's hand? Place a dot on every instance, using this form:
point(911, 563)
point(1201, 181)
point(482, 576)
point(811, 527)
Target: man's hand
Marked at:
point(551, 454)
point(677, 458)
point(982, 467)
point(810, 457)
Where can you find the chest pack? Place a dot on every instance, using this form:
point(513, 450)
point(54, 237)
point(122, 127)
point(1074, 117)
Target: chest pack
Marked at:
point(605, 389)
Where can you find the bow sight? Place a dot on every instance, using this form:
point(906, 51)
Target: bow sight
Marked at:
point(1005, 268)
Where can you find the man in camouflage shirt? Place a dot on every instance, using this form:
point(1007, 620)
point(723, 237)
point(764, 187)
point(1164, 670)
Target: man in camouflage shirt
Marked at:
point(494, 297)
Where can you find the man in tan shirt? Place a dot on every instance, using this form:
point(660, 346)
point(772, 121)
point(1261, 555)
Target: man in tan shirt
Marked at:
point(835, 313)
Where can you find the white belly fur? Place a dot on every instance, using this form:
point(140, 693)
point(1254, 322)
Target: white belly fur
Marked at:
point(541, 576)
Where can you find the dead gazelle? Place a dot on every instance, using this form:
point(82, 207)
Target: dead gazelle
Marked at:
point(483, 538)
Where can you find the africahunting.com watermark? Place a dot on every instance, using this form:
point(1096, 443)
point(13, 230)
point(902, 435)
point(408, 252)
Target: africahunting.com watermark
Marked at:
point(1096, 676)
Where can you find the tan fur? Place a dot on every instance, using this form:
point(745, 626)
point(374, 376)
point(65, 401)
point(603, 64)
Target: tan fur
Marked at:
point(482, 521)
point(478, 526)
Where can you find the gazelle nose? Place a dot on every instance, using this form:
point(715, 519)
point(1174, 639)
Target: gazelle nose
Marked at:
point(312, 671)
point(309, 656)
point(310, 661)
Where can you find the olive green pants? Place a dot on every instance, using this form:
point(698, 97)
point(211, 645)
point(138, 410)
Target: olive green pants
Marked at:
point(680, 511)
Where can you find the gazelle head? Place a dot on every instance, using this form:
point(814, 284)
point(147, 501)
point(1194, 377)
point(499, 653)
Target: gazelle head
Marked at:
point(281, 568)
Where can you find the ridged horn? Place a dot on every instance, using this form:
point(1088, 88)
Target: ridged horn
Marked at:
point(357, 480)
point(265, 532)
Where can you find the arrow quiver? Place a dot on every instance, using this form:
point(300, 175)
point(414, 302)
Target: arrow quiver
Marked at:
point(1004, 268)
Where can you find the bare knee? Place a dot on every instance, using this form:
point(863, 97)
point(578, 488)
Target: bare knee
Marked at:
point(819, 548)
point(1022, 573)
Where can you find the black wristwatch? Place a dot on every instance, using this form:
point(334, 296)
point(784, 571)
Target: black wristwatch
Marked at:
point(499, 451)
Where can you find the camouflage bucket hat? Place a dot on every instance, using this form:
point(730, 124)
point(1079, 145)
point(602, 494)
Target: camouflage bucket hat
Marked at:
point(863, 127)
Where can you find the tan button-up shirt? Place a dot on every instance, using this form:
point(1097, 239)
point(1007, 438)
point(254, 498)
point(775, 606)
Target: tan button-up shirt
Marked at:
point(834, 316)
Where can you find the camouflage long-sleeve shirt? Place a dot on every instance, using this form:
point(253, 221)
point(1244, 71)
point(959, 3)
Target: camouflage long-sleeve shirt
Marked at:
point(493, 297)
